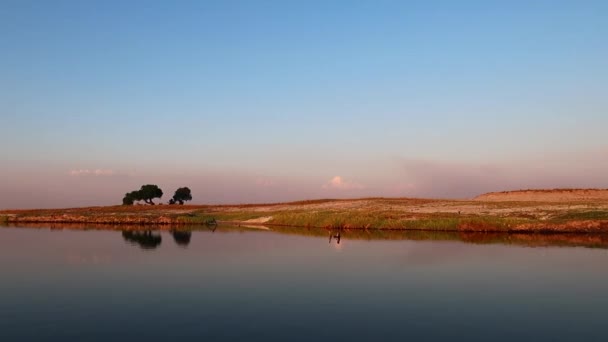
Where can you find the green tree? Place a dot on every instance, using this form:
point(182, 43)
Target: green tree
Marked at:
point(149, 192)
point(181, 195)
point(131, 197)
point(136, 195)
point(128, 199)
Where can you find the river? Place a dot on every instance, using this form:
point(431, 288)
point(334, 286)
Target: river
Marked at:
point(229, 284)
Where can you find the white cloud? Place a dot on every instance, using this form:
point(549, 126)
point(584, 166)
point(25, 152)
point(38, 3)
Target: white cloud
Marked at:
point(89, 172)
point(338, 183)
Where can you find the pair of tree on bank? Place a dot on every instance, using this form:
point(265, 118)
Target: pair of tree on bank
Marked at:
point(149, 192)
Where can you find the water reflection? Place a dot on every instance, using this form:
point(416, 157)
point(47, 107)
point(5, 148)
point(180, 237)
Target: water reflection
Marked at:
point(182, 237)
point(145, 239)
point(337, 234)
point(246, 284)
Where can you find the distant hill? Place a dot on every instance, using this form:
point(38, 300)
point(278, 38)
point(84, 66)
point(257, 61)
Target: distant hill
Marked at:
point(541, 195)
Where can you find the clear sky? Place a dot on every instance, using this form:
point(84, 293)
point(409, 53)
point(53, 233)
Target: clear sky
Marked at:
point(257, 101)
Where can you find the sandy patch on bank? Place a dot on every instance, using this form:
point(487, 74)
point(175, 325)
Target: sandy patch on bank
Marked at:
point(259, 220)
point(254, 227)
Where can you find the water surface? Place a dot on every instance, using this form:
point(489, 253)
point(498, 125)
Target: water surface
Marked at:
point(239, 284)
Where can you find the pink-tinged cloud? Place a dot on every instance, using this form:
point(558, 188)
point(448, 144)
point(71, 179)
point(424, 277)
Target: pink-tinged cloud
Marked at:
point(338, 183)
point(95, 172)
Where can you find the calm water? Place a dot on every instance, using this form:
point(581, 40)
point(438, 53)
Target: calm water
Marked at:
point(261, 285)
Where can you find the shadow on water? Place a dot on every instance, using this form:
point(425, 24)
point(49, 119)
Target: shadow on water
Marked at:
point(149, 237)
point(145, 239)
point(182, 237)
point(148, 240)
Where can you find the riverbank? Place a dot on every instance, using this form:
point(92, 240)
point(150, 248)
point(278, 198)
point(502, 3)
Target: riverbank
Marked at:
point(369, 213)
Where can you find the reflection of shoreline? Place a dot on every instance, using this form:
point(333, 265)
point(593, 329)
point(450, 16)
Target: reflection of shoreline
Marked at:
point(252, 226)
point(517, 239)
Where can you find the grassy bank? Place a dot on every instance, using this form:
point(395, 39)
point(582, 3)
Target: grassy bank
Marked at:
point(396, 220)
point(370, 213)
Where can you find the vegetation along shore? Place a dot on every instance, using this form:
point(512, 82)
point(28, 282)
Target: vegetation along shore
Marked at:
point(561, 213)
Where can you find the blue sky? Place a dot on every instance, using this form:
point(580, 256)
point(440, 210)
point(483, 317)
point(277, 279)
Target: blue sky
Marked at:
point(249, 101)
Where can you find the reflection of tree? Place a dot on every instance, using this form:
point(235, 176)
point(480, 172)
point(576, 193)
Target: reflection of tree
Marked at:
point(145, 239)
point(181, 237)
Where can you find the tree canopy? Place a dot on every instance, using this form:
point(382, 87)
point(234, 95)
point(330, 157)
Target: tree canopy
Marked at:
point(181, 195)
point(147, 193)
point(128, 199)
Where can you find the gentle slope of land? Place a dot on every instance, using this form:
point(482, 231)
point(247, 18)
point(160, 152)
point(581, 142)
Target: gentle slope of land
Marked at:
point(555, 195)
point(486, 213)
